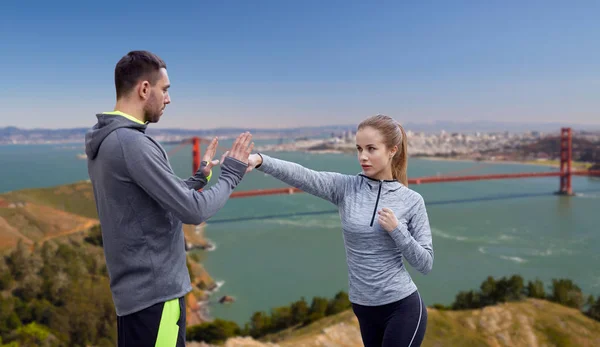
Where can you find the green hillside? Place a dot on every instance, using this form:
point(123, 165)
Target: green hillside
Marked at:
point(532, 322)
point(76, 198)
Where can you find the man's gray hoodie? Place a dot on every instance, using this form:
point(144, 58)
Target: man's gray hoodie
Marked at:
point(142, 204)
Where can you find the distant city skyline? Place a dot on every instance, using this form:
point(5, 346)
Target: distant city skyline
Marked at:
point(467, 127)
point(279, 64)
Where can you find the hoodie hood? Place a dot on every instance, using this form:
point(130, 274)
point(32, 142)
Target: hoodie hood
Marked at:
point(107, 123)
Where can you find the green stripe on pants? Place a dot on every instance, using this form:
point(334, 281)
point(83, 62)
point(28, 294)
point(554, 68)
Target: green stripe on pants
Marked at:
point(168, 328)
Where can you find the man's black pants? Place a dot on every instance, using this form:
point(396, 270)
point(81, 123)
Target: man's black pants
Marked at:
point(160, 325)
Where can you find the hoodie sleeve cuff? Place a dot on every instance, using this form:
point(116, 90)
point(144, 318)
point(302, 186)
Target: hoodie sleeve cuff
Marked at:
point(234, 166)
point(261, 161)
point(401, 236)
point(262, 166)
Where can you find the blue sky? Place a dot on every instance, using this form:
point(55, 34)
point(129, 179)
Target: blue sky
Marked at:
point(283, 63)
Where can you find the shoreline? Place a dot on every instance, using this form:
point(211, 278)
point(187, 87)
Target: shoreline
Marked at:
point(203, 285)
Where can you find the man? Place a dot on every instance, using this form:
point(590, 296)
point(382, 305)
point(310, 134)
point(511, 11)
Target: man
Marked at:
point(142, 204)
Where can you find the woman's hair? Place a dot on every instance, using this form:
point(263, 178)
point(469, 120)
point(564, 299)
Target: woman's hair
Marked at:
point(393, 135)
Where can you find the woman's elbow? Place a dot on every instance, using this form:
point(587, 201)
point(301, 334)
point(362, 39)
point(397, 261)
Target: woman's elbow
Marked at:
point(427, 266)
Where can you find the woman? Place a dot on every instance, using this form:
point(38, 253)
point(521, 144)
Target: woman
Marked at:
point(382, 221)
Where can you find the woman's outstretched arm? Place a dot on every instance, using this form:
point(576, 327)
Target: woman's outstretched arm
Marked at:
point(330, 186)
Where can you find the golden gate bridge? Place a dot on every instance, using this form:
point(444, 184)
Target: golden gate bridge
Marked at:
point(565, 172)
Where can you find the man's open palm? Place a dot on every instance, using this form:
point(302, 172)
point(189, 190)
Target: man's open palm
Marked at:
point(242, 147)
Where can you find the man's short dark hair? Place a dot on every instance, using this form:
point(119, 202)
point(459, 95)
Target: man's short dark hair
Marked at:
point(136, 66)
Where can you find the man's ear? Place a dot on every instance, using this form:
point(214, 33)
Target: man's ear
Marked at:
point(144, 90)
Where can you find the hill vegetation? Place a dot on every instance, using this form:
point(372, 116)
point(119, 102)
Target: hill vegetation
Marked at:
point(54, 291)
point(293, 320)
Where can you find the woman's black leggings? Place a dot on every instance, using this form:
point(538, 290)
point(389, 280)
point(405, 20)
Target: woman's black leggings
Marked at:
point(399, 324)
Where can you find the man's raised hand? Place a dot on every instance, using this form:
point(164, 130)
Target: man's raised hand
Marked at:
point(208, 157)
point(242, 147)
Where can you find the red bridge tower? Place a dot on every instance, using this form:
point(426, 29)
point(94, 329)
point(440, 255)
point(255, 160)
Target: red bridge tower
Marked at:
point(565, 161)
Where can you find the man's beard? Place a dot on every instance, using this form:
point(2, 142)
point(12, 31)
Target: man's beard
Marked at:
point(152, 110)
